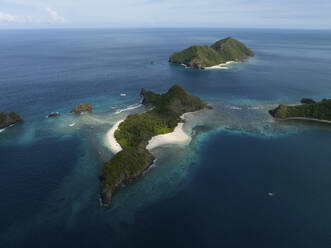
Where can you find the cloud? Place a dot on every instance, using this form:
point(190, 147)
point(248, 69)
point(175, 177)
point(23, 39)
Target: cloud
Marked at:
point(166, 13)
point(37, 17)
point(10, 18)
point(5, 17)
point(55, 16)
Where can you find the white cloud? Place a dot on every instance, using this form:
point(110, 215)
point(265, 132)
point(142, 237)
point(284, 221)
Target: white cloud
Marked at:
point(155, 13)
point(10, 18)
point(5, 17)
point(38, 16)
point(55, 16)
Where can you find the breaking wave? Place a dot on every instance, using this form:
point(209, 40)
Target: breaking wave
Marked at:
point(130, 107)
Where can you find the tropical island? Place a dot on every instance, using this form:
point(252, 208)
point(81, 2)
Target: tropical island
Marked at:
point(135, 132)
point(308, 110)
point(220, 53)
point(7, 120)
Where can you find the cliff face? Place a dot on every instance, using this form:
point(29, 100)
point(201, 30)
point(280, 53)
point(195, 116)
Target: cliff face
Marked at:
point(135, 132)
point(9, 119)
point(199, 57)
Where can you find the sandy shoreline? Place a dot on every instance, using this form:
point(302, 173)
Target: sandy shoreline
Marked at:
point(178, 136)
point(220, 66)
point(111, 140)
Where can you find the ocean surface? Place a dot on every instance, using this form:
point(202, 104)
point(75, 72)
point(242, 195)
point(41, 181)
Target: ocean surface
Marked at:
point(244, 180)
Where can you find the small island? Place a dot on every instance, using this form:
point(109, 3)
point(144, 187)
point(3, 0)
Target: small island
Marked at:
point(53, 114)
point(82, 108)
point(134, 133)
point(7, 120)
point(221, 52)
point(308, 110)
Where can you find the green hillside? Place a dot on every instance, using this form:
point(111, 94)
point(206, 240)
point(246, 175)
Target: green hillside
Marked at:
point(232, 50)
point(199, 57)
point(320, 110)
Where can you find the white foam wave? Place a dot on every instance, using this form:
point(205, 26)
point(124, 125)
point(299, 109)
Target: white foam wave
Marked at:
point(130, 107)
point(150, 167)
point(255, 108)
point(233, 107)
point(72, 124)
point(2, 130)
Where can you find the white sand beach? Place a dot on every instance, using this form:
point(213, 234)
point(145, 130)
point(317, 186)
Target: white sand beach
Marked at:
point(178, 136)
point(220, 66)
point(111, 140)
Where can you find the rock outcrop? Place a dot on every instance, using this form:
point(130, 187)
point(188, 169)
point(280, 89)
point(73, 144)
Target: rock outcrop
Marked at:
point(54, 114)
point(82, 108)
point(307, 101)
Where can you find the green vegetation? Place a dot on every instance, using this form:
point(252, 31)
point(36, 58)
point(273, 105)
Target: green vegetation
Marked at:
point(222, 51)
point(139, 128)
point(134, 133)
point(197, 57)
point(320, 110)
point(9, 119)
point(81, 108)
point(231, 49)
point(126, 165)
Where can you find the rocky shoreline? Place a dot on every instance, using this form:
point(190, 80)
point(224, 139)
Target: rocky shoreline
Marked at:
point(7, 120)
point(309, 110)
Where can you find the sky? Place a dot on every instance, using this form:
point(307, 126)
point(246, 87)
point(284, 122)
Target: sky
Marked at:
point(298, 14)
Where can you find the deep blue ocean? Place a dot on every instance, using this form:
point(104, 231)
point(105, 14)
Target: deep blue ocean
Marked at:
point(214, 192)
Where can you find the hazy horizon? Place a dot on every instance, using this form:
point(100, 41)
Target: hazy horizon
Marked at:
point(160, 28)
point(37, 14)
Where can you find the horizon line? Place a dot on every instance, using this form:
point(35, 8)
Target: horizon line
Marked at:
point(109, 28)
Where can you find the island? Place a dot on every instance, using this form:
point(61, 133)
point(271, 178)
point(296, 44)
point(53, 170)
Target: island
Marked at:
point(7, 120)
point(134, 133)
point(221, 52)
point(308, 110)
point(82, 108)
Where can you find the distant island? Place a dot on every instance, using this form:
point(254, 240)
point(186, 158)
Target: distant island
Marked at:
point(7, 120)
point(134, 133)
point(221, 52)
point(82, 108)
point(308, 110)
